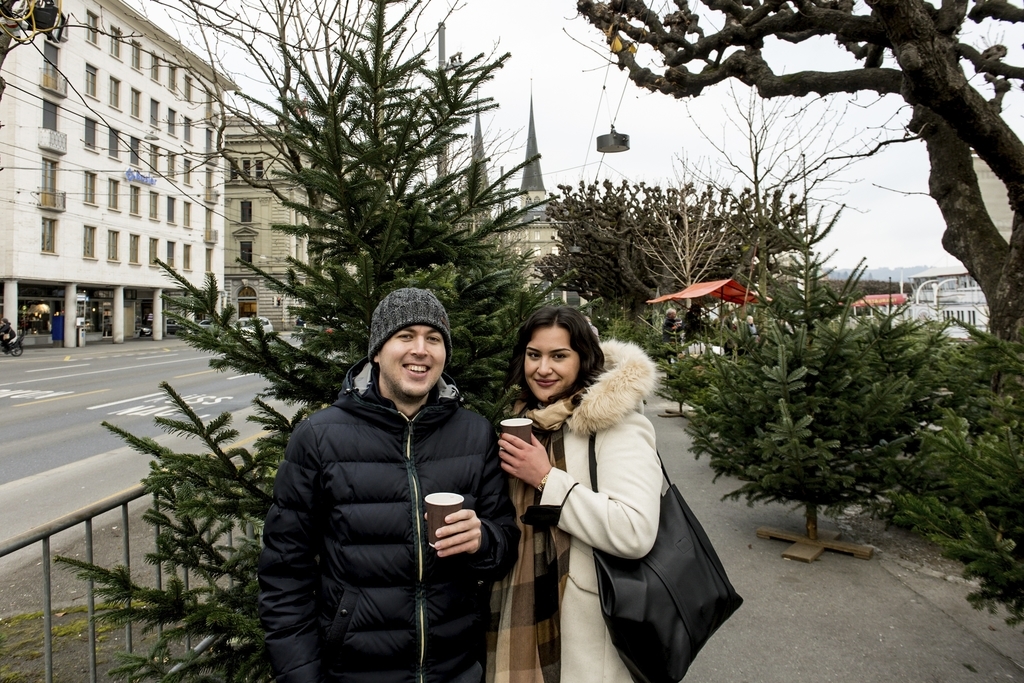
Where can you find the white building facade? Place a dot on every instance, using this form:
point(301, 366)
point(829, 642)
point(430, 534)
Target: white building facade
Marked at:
point(948, 293)
point(109, 164)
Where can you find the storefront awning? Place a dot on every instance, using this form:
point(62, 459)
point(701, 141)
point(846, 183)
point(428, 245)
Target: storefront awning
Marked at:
point(726, 290)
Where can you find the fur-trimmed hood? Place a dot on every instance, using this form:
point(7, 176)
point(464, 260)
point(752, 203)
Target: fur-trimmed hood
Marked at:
point(629, 377)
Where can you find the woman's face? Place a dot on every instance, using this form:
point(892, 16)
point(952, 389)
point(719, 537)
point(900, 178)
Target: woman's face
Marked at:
point(551, 366)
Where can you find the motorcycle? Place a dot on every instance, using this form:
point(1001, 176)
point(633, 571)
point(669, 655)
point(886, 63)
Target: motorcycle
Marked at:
point(14, 347)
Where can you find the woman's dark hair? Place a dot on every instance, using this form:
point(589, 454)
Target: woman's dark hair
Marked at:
point(581, 338)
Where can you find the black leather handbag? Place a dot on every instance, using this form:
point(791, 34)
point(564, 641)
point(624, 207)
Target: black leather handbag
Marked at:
point(662, 608)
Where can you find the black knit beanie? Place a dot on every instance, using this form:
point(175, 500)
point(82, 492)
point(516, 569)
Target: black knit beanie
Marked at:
point(404, 307)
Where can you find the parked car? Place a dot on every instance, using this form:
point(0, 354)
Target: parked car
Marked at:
point(248, 325)
point(171, 326)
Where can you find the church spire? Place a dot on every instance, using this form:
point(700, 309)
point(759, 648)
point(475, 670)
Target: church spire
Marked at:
point(478, 152)
point(533, 179)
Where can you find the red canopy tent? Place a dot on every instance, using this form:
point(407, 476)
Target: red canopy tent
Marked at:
point(726, 290)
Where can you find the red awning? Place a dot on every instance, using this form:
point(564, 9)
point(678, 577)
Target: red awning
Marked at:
point(881, 300)
point(726, 290)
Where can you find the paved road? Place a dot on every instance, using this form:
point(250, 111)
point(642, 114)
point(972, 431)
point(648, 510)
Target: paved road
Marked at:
point(52, 400)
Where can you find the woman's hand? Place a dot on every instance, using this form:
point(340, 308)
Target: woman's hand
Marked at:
point(527, 462)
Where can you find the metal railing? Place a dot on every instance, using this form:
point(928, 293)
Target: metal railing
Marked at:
point(53, 141)
point(54, 200)
point(42, 535)
point(51, 79)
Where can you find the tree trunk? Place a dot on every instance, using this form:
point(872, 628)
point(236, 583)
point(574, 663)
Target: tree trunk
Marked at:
point(812, 522)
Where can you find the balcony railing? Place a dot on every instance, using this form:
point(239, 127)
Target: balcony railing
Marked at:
point(53, 141)
point(52, 200)
point(211, 236)
point(50, 80)
point(211, 196)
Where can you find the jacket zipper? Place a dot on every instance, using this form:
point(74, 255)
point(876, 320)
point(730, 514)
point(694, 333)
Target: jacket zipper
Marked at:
point(421, 612)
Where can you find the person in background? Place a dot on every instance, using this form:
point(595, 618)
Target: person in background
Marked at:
point(593, 327)
point(349, 588)
point(670, 327)
point(546, 615)
point(6, 334)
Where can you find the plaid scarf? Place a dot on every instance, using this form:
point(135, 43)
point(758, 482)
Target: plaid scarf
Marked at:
point(524, 638)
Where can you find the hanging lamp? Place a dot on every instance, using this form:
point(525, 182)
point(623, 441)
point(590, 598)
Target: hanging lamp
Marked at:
point(612, 142)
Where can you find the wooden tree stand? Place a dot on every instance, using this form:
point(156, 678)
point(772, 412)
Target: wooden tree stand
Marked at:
point(806, 549)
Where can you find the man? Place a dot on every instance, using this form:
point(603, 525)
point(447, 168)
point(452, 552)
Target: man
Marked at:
point(671, 327)
point(350, 590)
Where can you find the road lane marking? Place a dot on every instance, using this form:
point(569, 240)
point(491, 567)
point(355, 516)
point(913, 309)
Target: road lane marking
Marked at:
point(31, 393)
point(59, 367)
point(241, 376)
point(58, 398)
point(193, 374)
point(137, 398)
point(97, 372)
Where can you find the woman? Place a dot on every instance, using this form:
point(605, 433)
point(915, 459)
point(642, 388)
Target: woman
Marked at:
point(550, 626)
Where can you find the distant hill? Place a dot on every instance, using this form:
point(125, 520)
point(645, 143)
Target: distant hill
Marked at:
point(879, 274)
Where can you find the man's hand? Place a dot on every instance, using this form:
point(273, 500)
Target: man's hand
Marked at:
point(461, 534)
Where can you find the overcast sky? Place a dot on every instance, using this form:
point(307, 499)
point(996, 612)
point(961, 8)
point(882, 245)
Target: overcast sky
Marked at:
point(563, 62)
point(561, 59)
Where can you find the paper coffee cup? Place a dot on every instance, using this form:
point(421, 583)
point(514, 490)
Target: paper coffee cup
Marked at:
point(439, 506)
point(518, 426)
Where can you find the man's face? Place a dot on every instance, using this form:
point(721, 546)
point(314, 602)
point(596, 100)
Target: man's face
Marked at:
point(410, 363)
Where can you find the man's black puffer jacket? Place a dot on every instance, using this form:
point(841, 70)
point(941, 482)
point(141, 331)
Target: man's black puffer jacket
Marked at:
point(350, 590)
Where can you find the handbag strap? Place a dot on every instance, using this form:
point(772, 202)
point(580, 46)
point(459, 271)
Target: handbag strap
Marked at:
point(593, 463)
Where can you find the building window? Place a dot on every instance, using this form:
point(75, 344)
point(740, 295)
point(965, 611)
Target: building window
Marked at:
point(133, 199)
point(154, 205)
point(233, 174)
point(209, 107)
point(89, 242)
point(49, 115)
point(259, 168)
point(115, 42)
point(209, 260)
point(172, 163)
point(50, 71)
point(133, 148)
point(113, 192)
point(186, 214)
point(49, 236)
point(154, 113)
point(209, 186)
point(188, 89)
point(113, 147)
point(154, 156)
point(136, 55)
point(154, 67)
point(170, 253)
point(113, 245)
point(245, 251)
point(170, 209)
point(92, 22)
point(186, 170)
point(171, 118)
point(90, 134)
point(133, 249)
point(246, 211)
point(186, 126)
point(115, 93)
point(154, 245)
point(48, 193)
point(247, 167)
point(186, 256)
point(209, 221)
point(172, 78)
point(90, 188)
point(209, 140)
point(90, 80)
point(136, 103)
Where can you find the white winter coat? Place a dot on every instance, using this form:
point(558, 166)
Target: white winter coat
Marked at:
point(620, 518)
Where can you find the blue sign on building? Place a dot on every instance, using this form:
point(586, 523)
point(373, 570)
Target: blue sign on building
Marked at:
point(134, 176)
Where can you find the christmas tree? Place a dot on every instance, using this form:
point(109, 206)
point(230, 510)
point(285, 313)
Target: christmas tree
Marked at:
point(822, 408)
point(389, 205)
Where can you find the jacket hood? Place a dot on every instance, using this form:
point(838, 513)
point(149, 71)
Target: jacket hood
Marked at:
point(359, 395)
point(629, 377)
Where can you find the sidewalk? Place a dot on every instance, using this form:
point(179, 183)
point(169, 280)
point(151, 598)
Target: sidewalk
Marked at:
point(838, 619)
